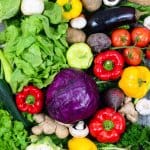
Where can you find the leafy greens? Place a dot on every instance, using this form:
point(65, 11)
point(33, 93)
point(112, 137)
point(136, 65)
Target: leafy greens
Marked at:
point(8, 8)
point(36, 48)
point(13, 136)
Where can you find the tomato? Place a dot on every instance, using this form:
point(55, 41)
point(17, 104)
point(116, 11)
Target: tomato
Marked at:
point(140, 36)
point(133, 56)
point(147, 53)
point(120, 37)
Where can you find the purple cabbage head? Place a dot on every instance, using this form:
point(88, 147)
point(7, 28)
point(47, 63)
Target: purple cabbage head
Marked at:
point(72, 96)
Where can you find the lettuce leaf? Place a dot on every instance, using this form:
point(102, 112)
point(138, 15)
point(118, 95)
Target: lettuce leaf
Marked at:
point(8, 8)
point(36, 50)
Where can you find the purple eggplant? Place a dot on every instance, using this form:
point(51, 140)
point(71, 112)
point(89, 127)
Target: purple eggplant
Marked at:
point(107, 19)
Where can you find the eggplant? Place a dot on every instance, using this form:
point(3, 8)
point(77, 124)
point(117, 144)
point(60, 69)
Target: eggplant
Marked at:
point(107, 19)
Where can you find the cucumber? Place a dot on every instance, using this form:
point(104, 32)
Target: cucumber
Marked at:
point(6, 98)
point(79, 55)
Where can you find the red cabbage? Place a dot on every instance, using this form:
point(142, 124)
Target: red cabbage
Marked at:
point(72, 96)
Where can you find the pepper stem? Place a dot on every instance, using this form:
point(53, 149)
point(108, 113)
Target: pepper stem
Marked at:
point(108, 125)
point(67, 7)
point(108, 65)
point(30, 99)
point(140, 82)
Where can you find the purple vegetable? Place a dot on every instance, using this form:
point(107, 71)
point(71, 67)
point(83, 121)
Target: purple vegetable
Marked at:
point(72, 96)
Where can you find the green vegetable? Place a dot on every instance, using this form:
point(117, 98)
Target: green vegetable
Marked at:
point(42, 143)
point(36, 49)
point(102, 146)
point(6, 98)
point(13, 136)
point(79, 55)
point(8, 8)
point(136, 6)
point(104, 85)
point(53, 12)
point(135, 136)
point(6, 67)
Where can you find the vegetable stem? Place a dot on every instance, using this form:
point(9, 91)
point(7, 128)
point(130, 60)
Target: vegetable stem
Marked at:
point(6, 67)
point(112, 148)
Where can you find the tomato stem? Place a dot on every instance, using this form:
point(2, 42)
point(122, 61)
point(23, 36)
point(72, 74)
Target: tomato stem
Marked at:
point(123, 47)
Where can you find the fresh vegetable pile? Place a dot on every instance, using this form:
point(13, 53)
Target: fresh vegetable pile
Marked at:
point(74, 75)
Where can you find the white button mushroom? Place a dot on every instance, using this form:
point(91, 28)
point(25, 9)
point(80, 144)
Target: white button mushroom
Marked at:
point(78, 23)
point(31, 7)
point(147, 22)
point(111, 2)
point(79, 130)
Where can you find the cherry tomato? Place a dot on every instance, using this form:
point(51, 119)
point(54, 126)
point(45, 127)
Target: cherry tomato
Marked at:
point(140, 36)
point(133, 56)
point(120, 37)
point(147, 53)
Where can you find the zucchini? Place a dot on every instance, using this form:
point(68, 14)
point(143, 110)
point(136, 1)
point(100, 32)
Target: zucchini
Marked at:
point(6, 98)
point(107, 19)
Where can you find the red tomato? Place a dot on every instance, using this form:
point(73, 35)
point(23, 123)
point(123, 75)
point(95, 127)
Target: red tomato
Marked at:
point(147, 53)
point(140, 36)
point(120, 37)
point(133, 56)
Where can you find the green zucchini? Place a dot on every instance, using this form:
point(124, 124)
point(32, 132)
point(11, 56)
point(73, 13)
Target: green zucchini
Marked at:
point(6, 98)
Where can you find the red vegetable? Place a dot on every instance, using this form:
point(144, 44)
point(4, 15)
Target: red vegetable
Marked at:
point(108, 65)
point(133, 55)
point(140, 36)
point(107, 125)
point(120, 37)
point(30, 100)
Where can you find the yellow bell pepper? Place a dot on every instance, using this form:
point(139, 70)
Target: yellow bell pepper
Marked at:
point(71, 8)
point(135, 81)
point(81, 144)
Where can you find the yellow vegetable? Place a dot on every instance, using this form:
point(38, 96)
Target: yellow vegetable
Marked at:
point(81, 144)
point(135, 81)
point(71, 8)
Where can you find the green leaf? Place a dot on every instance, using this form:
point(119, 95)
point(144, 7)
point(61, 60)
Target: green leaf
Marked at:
point(62, 28)
point(33, 55)
point(19, 80)
point(23, 43)
point(32, 25)
point(45, 44)
point(137, 6)
point(24, 66)
point(54, 12)
point(8, 8)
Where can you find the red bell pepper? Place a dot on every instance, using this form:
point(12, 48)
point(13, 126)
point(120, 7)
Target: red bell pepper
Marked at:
point(107, 125)
point(108, 65)
point(30, 100)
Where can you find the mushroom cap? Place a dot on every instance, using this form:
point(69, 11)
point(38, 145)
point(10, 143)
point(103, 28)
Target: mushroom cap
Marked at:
point(79, 130)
